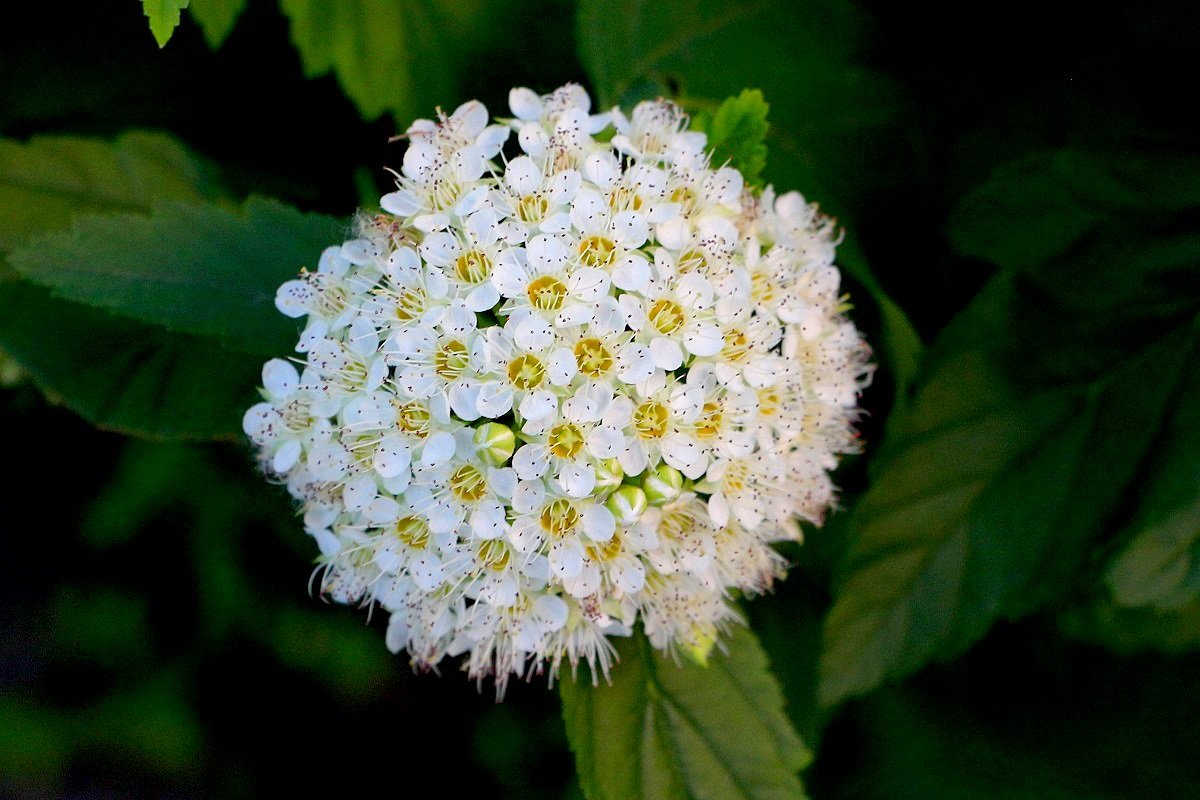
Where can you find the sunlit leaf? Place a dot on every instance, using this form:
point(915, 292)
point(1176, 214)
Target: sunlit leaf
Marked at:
point(737, 133)
point(390, 56)
point(662, 730)
point(164, 17)
point(47, 180)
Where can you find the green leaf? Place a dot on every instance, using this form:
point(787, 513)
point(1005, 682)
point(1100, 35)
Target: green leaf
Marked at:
point(1160, 566)
point(50, 178)
point(662, 730)
point(1033, 209)
point(216, 18)
point(835, 124)
point(1040, 406)
point(196, 269)
point(737, 133)
point(389, 55)
point(164, 17)
point(124, 375)
point(983, 499)
point(115, 372)
point(1131, 630)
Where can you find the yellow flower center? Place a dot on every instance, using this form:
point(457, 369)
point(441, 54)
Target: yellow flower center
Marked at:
point(650, 419)
point(623, 198)
point(532, 208)
point(593, 358)
point(412, 531)
point(413, 418)
point(709, 423)
point(666, 316)
point(605, 551)
point(559, 517)
point(596, 251)
point(473, 267)
point(760, 287)
point(493, 554)
point(737, 345)
point(566, 440)
point(410, 304)
point(768, 401)
point(692, 260)
point(546, 293)
point(468, 484)
point(450, 360)
point(526, 372)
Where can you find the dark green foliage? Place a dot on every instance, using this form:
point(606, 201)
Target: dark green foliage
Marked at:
point(1009, 605)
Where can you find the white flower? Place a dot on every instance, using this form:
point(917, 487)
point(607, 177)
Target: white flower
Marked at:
point(548, 397)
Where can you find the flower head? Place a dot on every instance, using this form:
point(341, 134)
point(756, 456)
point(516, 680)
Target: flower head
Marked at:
point(564, 389)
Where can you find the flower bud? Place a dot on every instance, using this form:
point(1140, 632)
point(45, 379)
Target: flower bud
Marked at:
point(697, 646)
point(662, 484)
point(608, 476)
point(627, 504)
point(495, 442)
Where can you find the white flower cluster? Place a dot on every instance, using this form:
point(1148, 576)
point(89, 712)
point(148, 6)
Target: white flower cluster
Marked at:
point(548, 395)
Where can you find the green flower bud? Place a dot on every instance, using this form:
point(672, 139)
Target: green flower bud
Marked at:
point(662, 485)
point(608, 477)
point(698, 644)
point(495, 442)
point(627, 504)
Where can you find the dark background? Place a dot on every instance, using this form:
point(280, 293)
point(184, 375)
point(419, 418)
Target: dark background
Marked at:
point(156, 634)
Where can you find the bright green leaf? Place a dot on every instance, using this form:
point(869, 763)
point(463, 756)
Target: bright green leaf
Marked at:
point(164, 17)
point(737, 133)
point(196, 269)
point(46, 180)
point(216, 18)
point(389, 55)
point(663, 730)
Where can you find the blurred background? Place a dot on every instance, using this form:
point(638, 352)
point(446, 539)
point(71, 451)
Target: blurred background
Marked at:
point(157, 633)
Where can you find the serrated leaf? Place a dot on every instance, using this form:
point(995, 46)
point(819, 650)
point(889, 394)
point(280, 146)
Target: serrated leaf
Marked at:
point(216, 18)
point(737, 133)
point(1040, 404)
point(123, 375)
point(47, 180)
point(194, 269)
point(834, 129)
point(661, 730)
point(164, 17)
point(115, 372)
point(390, 56)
